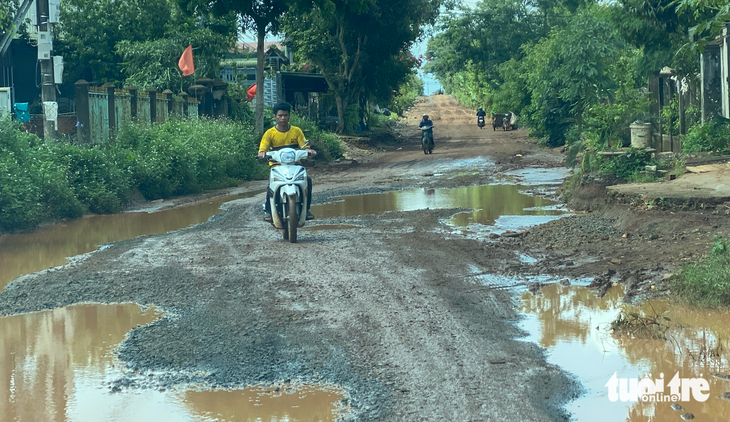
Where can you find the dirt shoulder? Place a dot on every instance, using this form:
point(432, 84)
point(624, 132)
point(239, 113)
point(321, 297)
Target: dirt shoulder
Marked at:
point(389, 310)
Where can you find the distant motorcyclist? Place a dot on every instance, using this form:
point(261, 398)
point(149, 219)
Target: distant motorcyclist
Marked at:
point(480, 116)
point(426, 125)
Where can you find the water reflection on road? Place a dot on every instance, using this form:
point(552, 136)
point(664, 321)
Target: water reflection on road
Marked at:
point(56, 366)
point(49, 246)
point(490, 202)
point(572, 323)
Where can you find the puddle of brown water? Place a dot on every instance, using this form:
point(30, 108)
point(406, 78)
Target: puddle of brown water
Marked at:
point(573, 324)
point(253, 404)
point(55, 366)
point(492, 201)
point(53, 363)
point(50, 246)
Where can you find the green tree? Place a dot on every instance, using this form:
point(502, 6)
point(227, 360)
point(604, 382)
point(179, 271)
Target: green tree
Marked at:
point(90, 30)
point(7, 14)
point(472, 44)
point(353, 41)
point(709, 17)
point(154, 63)
point(569, 71)
point(661, 32)
point(260, 16)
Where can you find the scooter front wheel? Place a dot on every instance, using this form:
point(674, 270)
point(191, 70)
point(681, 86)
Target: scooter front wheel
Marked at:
point(292, 216)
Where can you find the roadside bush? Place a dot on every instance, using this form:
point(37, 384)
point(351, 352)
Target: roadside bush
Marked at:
point(327, 144)
point(707, 281)
point(186, 156)
point(97, 176)
point(712, 136)
point(627, 166)
point(406, 95)
point(33, 186)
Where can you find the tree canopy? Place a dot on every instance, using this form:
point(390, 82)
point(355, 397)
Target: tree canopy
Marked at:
point(360, 46)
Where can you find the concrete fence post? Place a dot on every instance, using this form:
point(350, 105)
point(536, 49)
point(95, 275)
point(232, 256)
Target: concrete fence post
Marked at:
point(82, 110)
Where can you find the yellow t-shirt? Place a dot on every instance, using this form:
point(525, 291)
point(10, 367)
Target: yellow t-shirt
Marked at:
point(273, 139)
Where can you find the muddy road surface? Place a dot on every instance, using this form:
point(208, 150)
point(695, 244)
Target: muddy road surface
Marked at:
point(383, 305)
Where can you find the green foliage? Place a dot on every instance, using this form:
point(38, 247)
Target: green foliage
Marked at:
point(693, 115)
point(185, 156)
point(408, 91)
point(709, 17)
point(327, 144)
point(655, 27)
point(707, 281)
point(34, 182)
point(97, 176)
point(628, 165)
point(670, 118)
point(361, 47)
point(8, 8)
point(90, 30)
point(712, 136)
point(153, 63)
point(239, 107)
point(42, 181)
point(568, 72)
point(471, 45)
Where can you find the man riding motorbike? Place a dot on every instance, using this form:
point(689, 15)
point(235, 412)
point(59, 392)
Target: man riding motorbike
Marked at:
point(284, 135)
point(480, 117)
point(427, 127)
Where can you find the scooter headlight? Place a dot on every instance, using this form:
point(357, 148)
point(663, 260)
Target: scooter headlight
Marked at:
point(300, 176)
point(288, 157)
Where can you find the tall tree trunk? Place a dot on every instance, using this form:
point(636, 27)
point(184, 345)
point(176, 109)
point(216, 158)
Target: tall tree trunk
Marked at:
point(342, 104)
point(259, 110)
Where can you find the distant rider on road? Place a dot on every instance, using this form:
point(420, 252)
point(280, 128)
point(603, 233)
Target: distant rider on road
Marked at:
point(426, 122)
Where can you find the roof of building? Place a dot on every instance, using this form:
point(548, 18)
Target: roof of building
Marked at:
point(251, 46)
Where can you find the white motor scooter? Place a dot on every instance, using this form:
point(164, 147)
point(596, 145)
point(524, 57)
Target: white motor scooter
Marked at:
point(288, 184)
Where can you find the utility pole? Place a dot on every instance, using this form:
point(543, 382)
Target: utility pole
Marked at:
point(48, 89)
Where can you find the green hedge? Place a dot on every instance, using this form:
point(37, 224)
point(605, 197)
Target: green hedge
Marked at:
point(186, 156)
point(42, 181)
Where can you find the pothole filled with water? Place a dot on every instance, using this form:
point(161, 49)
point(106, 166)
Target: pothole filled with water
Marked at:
point(574, 326)
point(489, 202)
point(57, 366)
point(50, 246)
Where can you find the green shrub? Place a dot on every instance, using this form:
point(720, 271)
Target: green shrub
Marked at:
point(327, 144)
point(712, 136)
point(33, 185)
point(186, 156)
point(98, 180)
point(707, 281)
point(628, 165)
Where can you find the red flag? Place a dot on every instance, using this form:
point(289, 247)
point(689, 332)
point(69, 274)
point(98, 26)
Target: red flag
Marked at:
point(186, 62)
point(251, 92)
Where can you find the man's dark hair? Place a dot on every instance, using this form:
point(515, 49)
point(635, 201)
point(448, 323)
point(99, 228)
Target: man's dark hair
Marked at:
point(283, 107)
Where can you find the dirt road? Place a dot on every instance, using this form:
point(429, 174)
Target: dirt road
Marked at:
point(389, 310)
